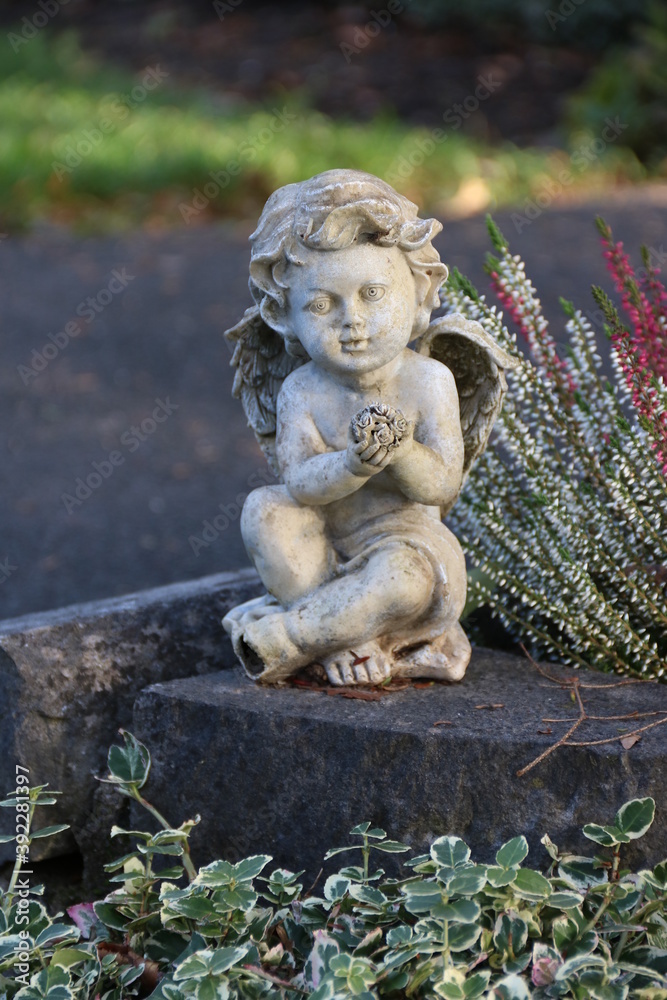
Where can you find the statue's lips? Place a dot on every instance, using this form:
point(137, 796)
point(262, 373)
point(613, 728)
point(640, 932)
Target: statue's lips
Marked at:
point(356, 347)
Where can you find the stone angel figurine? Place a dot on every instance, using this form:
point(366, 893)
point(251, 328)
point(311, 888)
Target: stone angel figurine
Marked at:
point(371, 440)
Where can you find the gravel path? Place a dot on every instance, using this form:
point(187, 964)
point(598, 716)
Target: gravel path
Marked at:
point(137, 392)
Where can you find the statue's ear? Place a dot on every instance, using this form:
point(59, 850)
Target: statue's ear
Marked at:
point(428, 282)
point(276, 317)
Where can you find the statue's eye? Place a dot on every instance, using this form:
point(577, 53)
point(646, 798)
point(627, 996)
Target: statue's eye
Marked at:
point(373, 292)
point(320, 306)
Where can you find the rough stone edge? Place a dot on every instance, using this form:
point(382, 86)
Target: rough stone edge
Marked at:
point(69, 678)
point(126, 603)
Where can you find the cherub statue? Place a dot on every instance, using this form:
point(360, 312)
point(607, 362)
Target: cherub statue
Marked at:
point(371, 439)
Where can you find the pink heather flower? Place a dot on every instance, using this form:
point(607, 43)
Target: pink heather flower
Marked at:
point(645, 304)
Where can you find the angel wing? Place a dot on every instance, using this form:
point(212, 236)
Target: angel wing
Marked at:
point(262, 364)
point(478, 365)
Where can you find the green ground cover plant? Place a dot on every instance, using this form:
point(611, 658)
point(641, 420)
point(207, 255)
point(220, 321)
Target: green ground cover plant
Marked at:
point(162, 143)
point(565, 516)
point(447, 928)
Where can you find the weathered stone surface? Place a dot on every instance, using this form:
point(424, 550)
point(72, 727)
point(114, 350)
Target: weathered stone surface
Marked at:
point(289, 771)
point(69, 678)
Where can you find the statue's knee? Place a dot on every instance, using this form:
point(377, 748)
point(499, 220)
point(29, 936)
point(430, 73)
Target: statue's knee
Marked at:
point(409, 578)
point(261, 513)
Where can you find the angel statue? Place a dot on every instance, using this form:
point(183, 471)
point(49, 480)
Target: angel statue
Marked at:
point(370, 439)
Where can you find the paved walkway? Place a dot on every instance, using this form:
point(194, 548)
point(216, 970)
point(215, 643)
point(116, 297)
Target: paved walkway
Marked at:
point(140, 395)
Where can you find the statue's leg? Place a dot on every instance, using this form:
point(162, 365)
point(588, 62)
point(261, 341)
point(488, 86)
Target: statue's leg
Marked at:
point(287, 542)
point(380, 598)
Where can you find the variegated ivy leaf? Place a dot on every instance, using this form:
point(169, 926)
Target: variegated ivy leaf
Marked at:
point(635, 817)
point(324, 949)
point(607, 836)
point(468, 881)
point(582, 873)
point(565, 900)
point(221, 874)
point(530, 885)
point(511, 854)
point(511, 987)
point(335, 887)
point(463, 936)
point(510, 933)
point(450, 852)
point(129, 764)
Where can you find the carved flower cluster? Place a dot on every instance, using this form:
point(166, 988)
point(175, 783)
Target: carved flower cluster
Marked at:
point(379, 423)
point(566, 516)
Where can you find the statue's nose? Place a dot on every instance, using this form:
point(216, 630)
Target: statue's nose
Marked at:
point(353, 324)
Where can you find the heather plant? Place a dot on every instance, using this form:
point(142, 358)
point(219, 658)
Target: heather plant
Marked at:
point(447, 929)
point(565, 515)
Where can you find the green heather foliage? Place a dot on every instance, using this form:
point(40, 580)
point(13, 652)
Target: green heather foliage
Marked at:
point(448, 929)
point(565, 515)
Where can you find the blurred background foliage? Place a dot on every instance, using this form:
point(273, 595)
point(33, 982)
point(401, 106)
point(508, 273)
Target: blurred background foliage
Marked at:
point(374, 98)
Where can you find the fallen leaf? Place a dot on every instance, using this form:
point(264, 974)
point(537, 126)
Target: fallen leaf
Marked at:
point(629, 741)
point(501, 705)
point(545, 732)
point(443, 722)
point(354, 693)
point(423, 684)
point(358, 659)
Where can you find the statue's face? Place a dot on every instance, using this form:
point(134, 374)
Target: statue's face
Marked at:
point(353, 310)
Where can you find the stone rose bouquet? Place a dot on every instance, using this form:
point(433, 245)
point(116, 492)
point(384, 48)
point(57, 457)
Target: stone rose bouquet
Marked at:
point(379, 424)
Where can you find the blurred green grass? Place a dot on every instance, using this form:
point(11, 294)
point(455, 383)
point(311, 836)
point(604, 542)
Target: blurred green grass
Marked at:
point(165, 144)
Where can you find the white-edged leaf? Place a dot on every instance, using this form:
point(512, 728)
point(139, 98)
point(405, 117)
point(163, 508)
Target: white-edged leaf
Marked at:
point(635, 817)
point(511, 854)
point(450, 852)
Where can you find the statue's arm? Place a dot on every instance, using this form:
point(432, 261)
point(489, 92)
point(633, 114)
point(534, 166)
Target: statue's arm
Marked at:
point(430, 469)
point(312, 473)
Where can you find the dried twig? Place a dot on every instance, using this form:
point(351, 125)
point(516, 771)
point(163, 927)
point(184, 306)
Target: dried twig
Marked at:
point(575, 685)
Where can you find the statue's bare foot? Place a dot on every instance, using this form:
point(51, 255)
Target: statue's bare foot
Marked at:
point(367, 663)
point(444, 658)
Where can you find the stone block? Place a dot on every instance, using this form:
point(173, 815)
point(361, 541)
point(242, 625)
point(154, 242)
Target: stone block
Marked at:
point(289, 771)
point(69, 678)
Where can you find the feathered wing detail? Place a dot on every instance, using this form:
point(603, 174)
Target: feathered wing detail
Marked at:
point(262, 364)
point(478, 365)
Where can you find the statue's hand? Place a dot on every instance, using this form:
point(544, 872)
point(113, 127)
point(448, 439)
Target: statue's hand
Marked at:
point(375, 437)
point(403, 447)
point(365, 459)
